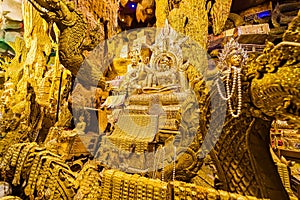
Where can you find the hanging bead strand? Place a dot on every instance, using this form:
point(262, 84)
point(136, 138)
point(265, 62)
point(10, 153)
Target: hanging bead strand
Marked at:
point(239, 107)
point(232, 50)
point(228, 92)
point(163, 165)
point(174, 164)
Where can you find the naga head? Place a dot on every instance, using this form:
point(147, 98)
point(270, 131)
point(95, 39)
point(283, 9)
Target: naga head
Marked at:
point(276, 89)
point(55, 10)
point(50, 5)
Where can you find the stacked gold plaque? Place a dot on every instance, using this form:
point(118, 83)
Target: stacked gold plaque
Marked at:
point(50, 178)
point(120, 185)
point(134, 131)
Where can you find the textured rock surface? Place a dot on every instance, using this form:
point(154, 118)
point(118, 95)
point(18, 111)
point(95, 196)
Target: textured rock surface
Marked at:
point(220, 12)
point(12, 9)
point(104, 12)
point(11, 20)
point(161, 12)
point(191, 18)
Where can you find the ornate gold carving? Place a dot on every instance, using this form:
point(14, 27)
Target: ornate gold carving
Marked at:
point(278, 63)
point(52, 179)
point(161, 12)
point(274, 91)
point(21, 160)
point(220, 12)
point(184, 18)
point(41, 169)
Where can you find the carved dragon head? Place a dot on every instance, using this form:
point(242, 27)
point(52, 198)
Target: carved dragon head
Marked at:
point(55, 10)
point(276, 88)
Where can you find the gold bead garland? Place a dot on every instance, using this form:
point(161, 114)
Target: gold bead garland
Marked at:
point(50, 178)
point(16, 154)
point(107, 184)
point(117, 185)
point(4, 166)
point(21, 160)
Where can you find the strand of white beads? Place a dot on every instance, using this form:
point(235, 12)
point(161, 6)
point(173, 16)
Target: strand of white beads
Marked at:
point(239, 106)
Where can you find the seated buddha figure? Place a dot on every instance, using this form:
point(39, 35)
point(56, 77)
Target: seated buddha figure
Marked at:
point(165, 73)
point(146, 73)
point(148, 76)
point(142, 74)
point(80, 126)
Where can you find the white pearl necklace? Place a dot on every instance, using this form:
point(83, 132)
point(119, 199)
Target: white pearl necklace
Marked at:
point(155, 164)
point(229, 93)
point(174, 164)
point(163, 165)
point(156, 161)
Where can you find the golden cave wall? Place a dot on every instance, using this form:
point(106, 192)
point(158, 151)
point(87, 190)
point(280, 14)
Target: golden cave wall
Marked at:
point(30, 108)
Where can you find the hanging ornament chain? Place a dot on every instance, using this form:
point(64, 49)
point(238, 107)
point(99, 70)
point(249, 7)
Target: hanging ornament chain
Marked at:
point(231, 60)
point(237, 74)
point(160, 156)
point(155, 163)
point(174, 164)
point(228, 92)
point(236, 80)
point(163, 165)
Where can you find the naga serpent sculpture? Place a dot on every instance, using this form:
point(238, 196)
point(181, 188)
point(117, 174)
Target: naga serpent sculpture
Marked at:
point(270, 85)
point(74, 38)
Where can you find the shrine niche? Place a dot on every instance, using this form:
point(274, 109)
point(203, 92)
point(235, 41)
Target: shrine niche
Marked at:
point(144, 99)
